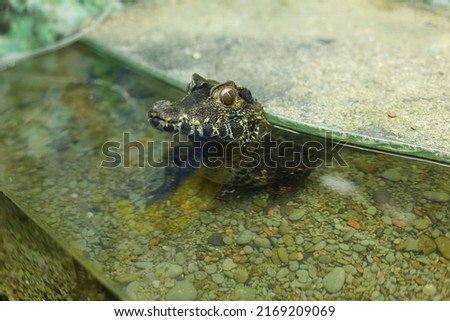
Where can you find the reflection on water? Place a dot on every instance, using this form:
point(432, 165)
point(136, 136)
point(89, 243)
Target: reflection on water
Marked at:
point(375, 229)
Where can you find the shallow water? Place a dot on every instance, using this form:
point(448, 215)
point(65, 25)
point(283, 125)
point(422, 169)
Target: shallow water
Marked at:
point(377, 228)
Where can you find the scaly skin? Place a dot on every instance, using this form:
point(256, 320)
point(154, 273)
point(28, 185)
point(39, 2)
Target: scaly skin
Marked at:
point(233, 144)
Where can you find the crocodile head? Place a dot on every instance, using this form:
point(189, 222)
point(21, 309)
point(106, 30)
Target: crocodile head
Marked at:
point(212, 111)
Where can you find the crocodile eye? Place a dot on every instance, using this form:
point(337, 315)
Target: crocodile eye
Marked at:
point(227, 96)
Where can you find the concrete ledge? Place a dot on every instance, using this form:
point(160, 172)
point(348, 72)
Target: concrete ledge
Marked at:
point(374, 73)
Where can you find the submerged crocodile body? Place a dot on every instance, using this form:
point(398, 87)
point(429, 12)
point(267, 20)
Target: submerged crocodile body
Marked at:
point(230, 139)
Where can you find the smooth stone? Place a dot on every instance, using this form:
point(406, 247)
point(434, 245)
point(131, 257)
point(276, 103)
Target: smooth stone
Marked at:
point(392, 174)
point(359, 248)
point(144, 265)
point(206, 218)
point(283, 255)
point(284, 229)
point(216, 239)
point(200, 275)
point(296, 215)
point(443, 244)
point(429, 289)
point(381, 196)
point(217, 278)
point(411, 244)
point(227, 239)
point(302, 276)
point(390, 258)
point(426, 244)
point(421, 223)
point(282, 273)
point(325, 259)
point(170, 270)
point(386, 220)
point(182, 291)
point(240, 275)
point(436, 196)
point(288, 239)
point(371, 210)
point(210, 268)
point(244, 238)
point(244, 293)
point(293, 266)
point(312, 271)
point(228, 264)
point(334, 280)
point(299, 239)
point(320, 246)
point(262, 242)
point(180, 258)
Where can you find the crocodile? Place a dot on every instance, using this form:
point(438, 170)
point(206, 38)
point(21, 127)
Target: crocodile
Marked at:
point(230, 140)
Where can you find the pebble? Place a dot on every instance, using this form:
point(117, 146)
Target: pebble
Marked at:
point(429, 289)
point(386, 220)
point(170, 270)
point(436, 196)
point(299, 239)
point(182, 291)
point(288, 239)
point(371, 210)
point(228, 264)
point(144, 265)
point(227, 239)
point(206, 218)
point(217, 278)
point(293, 266)
point(392, 174)
point(312, 271)
point(282, 273)
point(334, 280)
point(180, 258)
point(359, 248)
point(325, 259)
point(296, 215)
point(303, 276)
point(443, 244)
point(426, 244)
point(245, 237)
point(216, 239)
point(200, 275)
point(283, 255)
point(421, 223)
point(284, 230)
point(390, 258)
point(381, 196)
point(240, 275)
point(262, 242)
point(411, 244)
point(244, 293)
point(248, 249)
point(210, 268)
point(320, 246)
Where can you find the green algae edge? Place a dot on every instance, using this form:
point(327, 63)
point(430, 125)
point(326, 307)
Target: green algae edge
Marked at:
point(365, 142)
point(349, 139)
